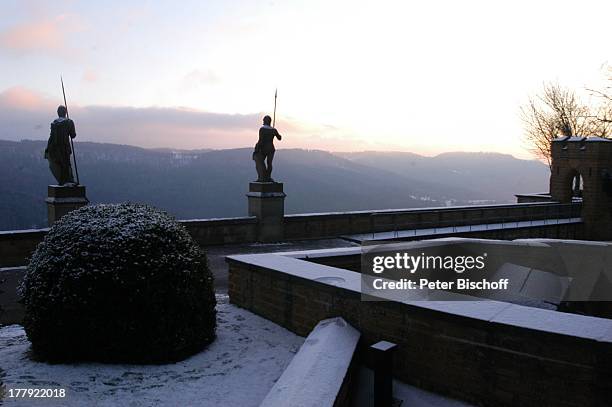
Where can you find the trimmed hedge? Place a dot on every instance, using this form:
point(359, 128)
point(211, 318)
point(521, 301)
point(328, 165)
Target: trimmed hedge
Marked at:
point(118, 283)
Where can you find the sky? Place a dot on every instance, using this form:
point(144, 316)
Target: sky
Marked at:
point(420, 76)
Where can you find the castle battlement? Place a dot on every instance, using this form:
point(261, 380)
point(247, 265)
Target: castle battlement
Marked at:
point(584, 165)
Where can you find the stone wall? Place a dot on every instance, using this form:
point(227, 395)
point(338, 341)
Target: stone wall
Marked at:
point(487, 358)
point(314, 225)
point(235, 233)
point(12, 311)
point(222, 231)
point(552, 231)
point(17, 246)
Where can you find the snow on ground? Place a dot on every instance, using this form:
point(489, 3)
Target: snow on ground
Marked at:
point(238, 369)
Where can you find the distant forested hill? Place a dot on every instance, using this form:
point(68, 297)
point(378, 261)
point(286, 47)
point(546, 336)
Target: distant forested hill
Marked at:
point(213, 183)
point(494, 176)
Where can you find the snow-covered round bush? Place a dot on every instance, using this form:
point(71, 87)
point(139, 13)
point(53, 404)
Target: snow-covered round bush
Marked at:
point(118, 283)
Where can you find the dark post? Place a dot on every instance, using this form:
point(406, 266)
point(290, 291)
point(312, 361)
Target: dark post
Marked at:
point(76, 169)
point(382, 361)
point(274, 119)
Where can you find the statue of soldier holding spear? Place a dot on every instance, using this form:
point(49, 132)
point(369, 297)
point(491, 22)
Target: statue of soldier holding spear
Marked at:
point(264, 149)
point(60, 146)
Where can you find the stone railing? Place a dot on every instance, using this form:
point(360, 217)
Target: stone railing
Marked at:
point(16, 246)
point(317, 225)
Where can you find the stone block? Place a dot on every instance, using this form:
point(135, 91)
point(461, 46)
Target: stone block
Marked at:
point(63, 199)
point(267, 203)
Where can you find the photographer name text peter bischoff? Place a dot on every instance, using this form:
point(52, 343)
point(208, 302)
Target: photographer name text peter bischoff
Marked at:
point(423, 284)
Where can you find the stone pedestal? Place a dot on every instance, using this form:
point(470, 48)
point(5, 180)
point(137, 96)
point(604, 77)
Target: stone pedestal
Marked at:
point(267, 203)
point(63, 199)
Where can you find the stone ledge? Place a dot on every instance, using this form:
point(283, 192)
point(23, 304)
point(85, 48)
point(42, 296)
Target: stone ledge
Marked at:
point(24, 233)
point(62, 191)
point(292, 265)
point(265, 187)
point(317, 375)
point(266, 194)
point(219, 221)
point(475, 208)
point(67, 201)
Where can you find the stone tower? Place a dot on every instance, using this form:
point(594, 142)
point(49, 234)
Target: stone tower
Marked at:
point(589, 159)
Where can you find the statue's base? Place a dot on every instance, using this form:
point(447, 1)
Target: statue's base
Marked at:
point(63, 199)
point(257, 187)
point(267, 203)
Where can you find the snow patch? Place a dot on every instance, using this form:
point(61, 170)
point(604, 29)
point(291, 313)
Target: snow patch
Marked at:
point(238, 369)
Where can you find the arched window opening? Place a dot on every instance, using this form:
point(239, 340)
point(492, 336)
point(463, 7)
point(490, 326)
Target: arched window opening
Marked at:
point(577, 187)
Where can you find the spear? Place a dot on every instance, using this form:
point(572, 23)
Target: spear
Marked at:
point(274, 119)
point(76, 169)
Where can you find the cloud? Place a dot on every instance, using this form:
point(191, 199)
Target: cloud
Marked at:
point(23, 111)
point(200, 77)
point(44, 35)
point(22, 99)
point(166, 127)
point(26, 115)
point(90, 76)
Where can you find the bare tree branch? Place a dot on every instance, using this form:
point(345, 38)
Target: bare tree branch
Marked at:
point(558, 112)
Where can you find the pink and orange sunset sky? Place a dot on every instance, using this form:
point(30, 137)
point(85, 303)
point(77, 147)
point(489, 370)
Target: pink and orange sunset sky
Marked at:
point(421, 76)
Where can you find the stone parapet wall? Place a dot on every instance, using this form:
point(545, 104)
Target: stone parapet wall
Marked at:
point(222, 231)
point(343, 223)
point(16, 246)
point(489, 356)
point(11, 311)
point(572, 230)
